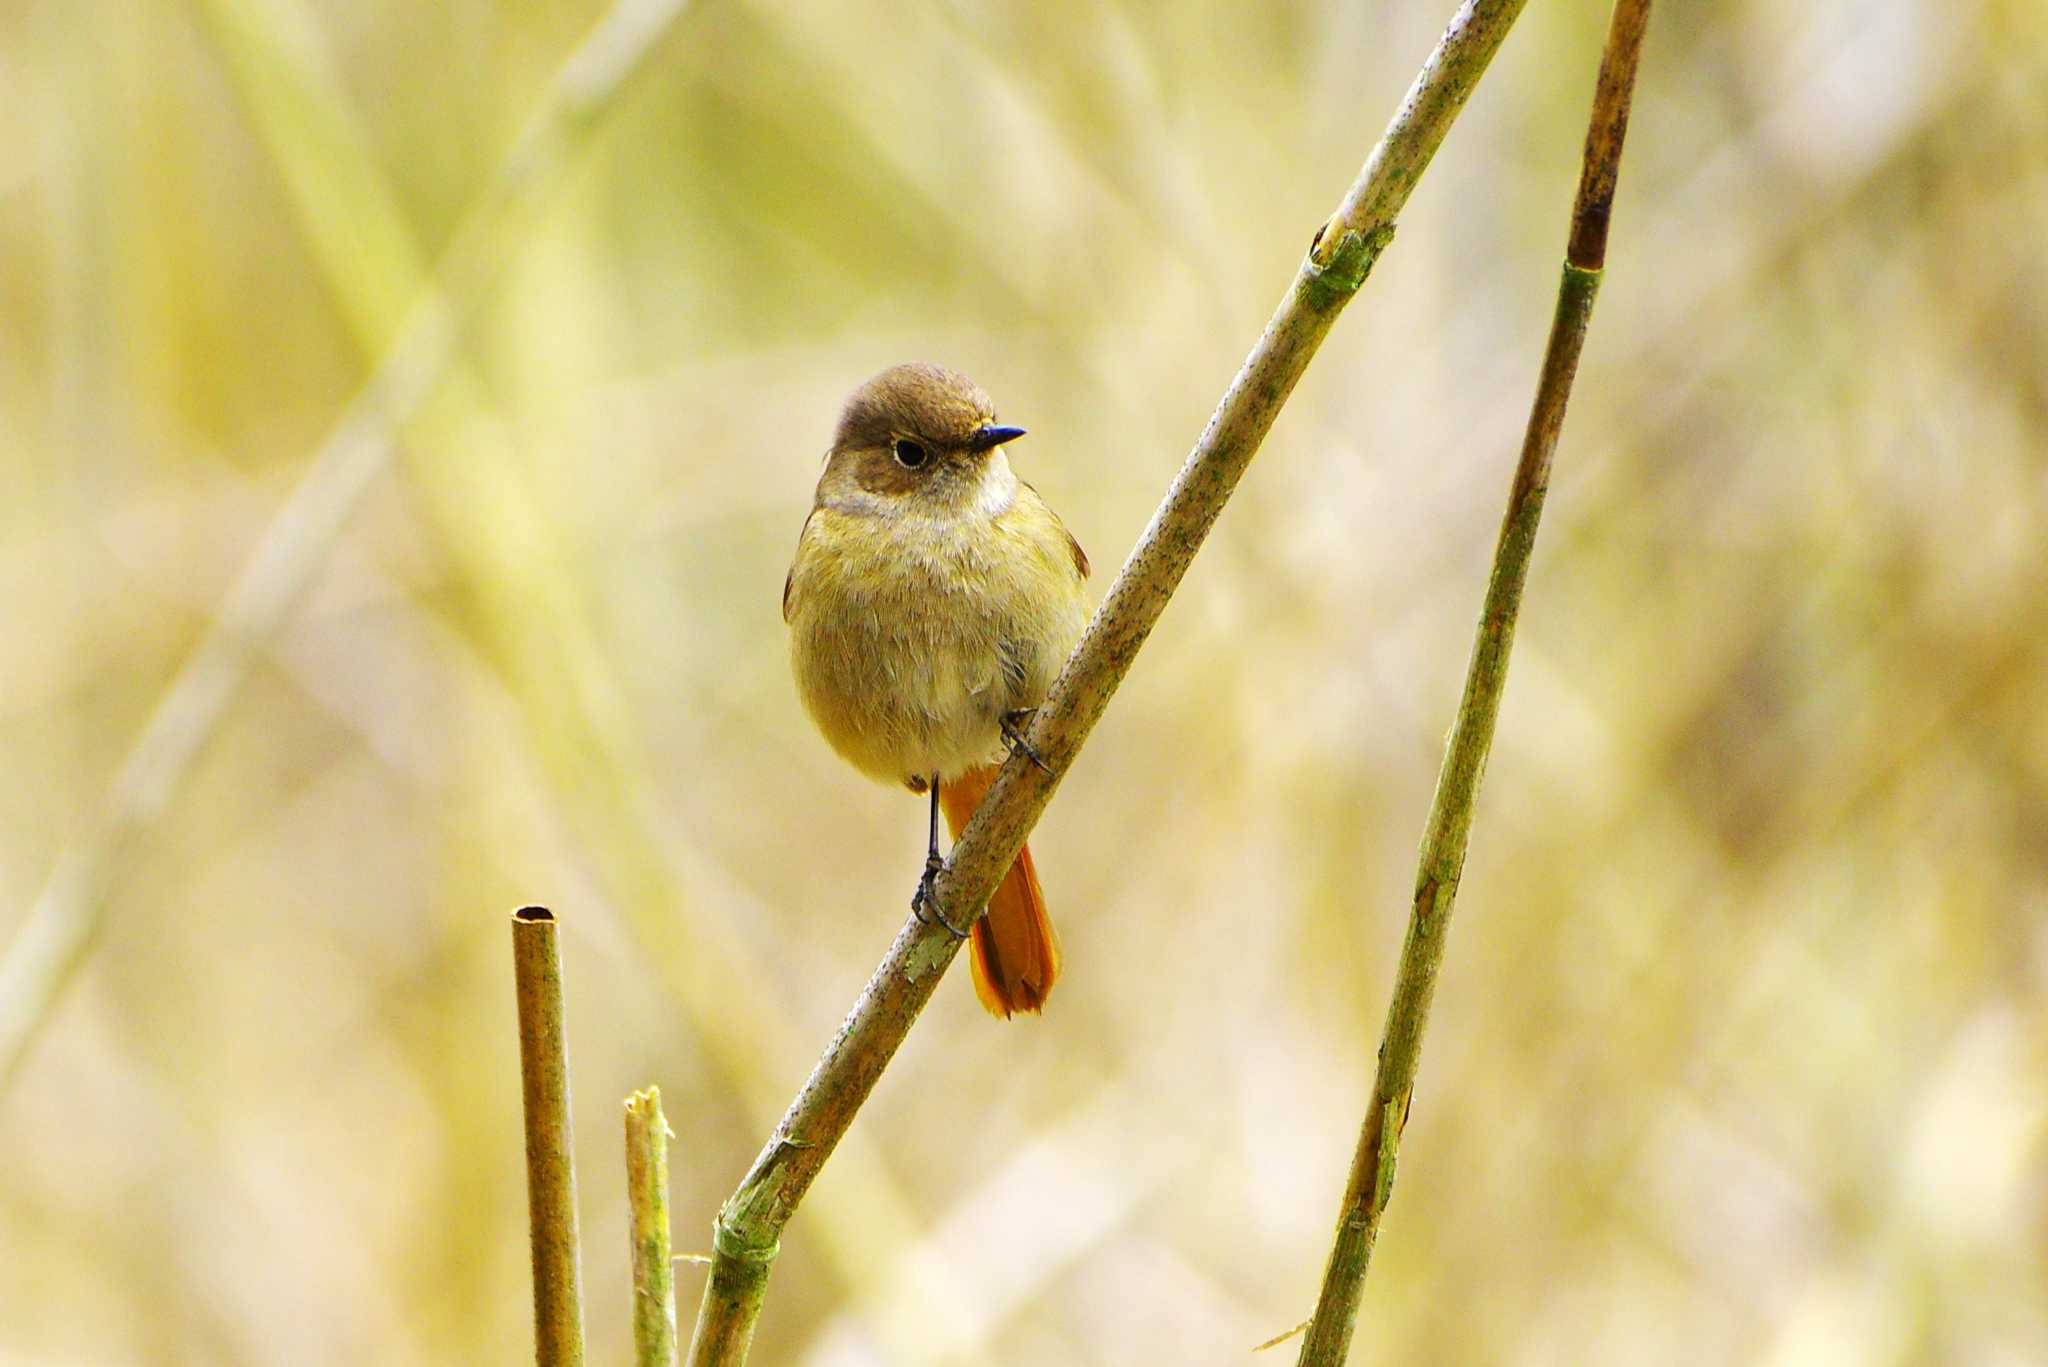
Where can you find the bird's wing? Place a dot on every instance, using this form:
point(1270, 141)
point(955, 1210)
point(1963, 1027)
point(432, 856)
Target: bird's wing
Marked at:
point(788, 580)
point(1081, 565)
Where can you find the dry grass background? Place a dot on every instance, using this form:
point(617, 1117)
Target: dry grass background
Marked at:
point(1741, 1052)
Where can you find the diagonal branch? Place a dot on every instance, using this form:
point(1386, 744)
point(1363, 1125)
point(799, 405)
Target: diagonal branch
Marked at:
point(1450, 818)
point(749, 1228)
point(67, 916)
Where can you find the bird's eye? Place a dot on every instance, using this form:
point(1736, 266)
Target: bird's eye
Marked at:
point(909, 454)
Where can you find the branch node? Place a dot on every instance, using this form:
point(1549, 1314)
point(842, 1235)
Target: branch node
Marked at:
point(1390, 1140)
point(729, 1241)
point(1327, 284)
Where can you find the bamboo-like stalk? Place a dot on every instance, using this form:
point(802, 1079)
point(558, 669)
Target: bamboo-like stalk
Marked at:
point(732, 1303)
point(550, 1158)
point(68, 913)
point(749, 1227)
point(1328, 1341)
point(654, 1273)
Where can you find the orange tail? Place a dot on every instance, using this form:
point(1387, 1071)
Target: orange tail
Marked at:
point(1016, 954)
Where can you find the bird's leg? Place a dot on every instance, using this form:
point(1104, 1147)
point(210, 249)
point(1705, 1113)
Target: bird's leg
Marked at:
point(923, 904)
point(1012, 724)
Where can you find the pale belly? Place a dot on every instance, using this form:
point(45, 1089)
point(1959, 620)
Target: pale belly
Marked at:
point(909, 662)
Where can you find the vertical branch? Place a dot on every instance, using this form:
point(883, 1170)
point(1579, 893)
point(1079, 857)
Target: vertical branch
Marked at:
point(654, 1274)
point(749, 1227)
point(1450, 818)
point(550, 1163)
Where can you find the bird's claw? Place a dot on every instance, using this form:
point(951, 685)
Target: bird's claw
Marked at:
point(1012, 725)
point(924, 903)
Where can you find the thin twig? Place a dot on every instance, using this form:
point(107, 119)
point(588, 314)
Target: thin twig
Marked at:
point(66, 919)
point(1328, 1341)
point(550, 1156)
point(654, 1271)
point(749, 1227)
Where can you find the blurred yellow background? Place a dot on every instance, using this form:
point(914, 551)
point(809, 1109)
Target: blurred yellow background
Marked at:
point(1741, 1049)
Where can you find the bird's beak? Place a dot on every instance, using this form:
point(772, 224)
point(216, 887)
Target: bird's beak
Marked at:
point(988, 438)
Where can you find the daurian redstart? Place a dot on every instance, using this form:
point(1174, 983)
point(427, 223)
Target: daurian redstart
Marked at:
point(933, 598)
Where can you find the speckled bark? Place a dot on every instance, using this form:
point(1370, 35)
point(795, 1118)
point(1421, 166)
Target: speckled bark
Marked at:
point(550, 1162)
point(1447, 836)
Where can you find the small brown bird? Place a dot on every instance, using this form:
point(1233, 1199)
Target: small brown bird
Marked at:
point(933, 599)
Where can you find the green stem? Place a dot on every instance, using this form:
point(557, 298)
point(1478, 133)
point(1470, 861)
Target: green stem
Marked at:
point(732, 1301)
point(749, 1227)
point(550, 1161)
point(654, 1272)
point(1442, 863)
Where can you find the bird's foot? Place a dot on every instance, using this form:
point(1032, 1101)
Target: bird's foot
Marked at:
point(924, 903)
point(1012, 725)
